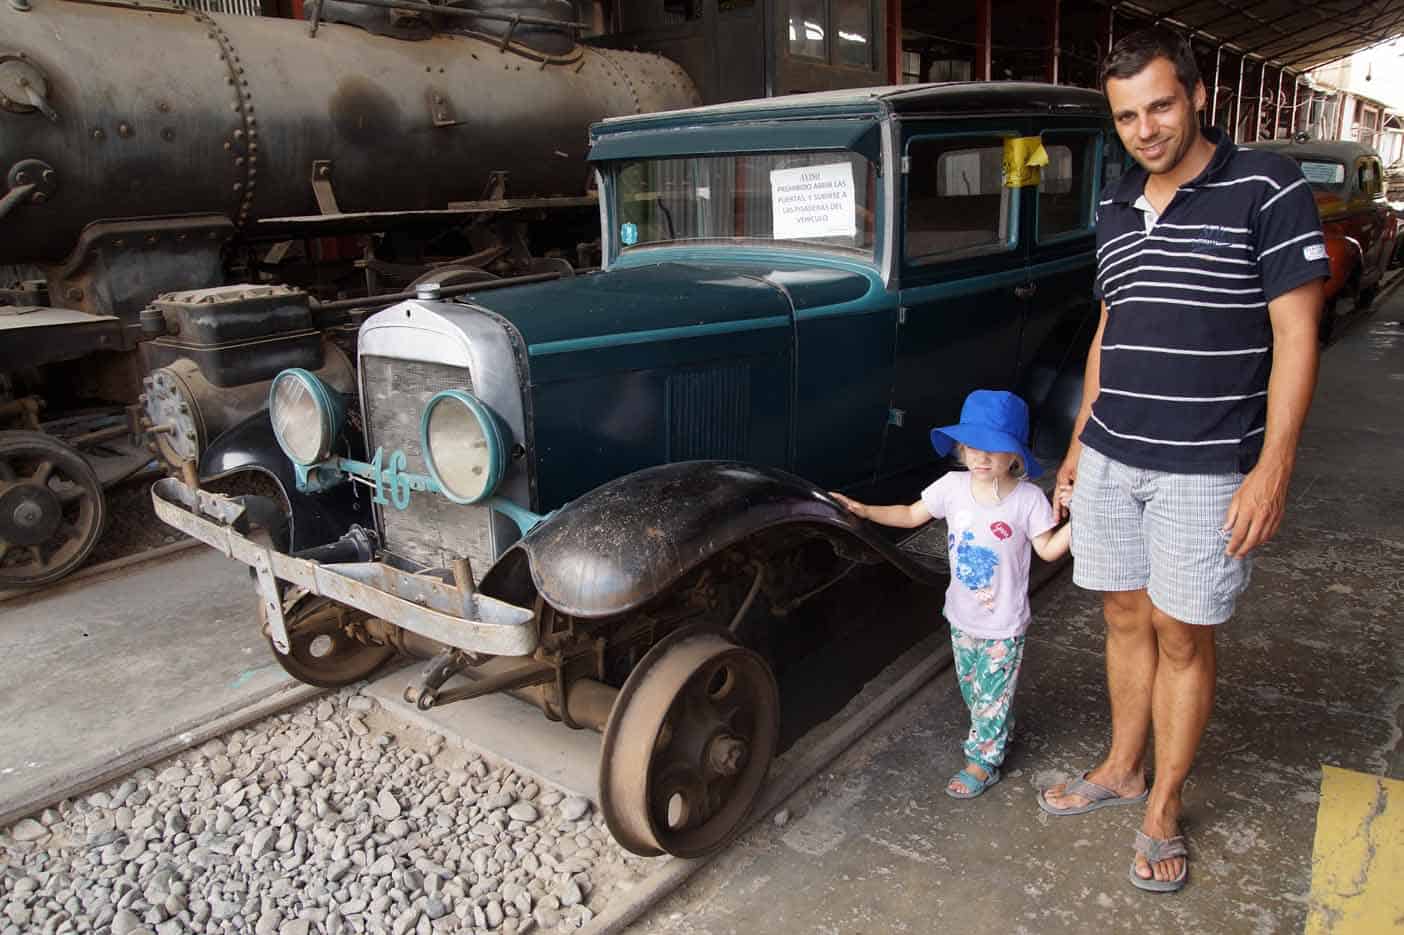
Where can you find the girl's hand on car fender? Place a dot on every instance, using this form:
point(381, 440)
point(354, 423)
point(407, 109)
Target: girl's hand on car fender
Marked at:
point(852, 506)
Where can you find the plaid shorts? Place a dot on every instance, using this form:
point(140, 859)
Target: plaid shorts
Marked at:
point(1134, 528)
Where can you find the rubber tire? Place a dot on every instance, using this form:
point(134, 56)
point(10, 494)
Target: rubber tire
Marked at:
point(1364, 298)
point(1327, 328)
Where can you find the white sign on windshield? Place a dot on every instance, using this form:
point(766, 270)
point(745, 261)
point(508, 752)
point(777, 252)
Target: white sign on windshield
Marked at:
point(1324, 173)
point(813, 201)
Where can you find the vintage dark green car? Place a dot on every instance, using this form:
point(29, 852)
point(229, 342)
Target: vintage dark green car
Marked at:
point(591, 491)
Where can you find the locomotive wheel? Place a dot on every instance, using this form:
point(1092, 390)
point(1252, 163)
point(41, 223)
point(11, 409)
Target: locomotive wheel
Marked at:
point(51, 509)
point(321, 651)
point(688, 745)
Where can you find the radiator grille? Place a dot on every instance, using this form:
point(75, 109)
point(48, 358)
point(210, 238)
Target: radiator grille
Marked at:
point(230, 7)
point(433, 530)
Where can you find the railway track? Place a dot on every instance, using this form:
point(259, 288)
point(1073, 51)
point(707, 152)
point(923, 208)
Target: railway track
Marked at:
point(357, 752)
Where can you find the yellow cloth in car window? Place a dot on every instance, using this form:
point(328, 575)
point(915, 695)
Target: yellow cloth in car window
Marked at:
point(1023, 155)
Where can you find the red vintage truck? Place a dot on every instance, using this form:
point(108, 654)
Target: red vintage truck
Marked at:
point(1360, 228)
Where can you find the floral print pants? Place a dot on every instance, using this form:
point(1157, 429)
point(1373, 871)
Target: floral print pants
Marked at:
point(987, 671)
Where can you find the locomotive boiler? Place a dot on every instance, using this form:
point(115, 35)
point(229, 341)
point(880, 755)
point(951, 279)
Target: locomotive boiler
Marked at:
point(150, 109)
point(195, 201)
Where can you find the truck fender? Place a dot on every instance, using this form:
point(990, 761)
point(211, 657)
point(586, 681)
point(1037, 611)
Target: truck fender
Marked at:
point(629, 540)
point(1054, 396)
point(1346, 259)
point(312, 519)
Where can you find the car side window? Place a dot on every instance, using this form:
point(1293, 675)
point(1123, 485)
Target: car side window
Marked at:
point(1368, 174)
point(1064, 187)
point(1375, 177)
point(1113, 162)
point(957, 204)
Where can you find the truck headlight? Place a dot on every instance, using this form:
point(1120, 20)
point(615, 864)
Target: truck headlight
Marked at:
point(307, 415)
point(463, 446)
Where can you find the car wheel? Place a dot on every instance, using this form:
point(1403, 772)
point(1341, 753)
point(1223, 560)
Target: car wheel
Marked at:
point(1328, 321)
point(1364, 297)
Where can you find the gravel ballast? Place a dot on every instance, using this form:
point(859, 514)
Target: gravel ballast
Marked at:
point(326, 819)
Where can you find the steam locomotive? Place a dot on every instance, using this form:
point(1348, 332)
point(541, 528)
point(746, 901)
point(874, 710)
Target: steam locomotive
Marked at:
point(193, 202)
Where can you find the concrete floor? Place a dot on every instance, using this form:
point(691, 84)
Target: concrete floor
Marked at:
point(92, 682)
point(101, 676)
point(1310, 675)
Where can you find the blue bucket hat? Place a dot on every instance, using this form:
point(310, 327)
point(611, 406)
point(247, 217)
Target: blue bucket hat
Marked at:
point(991, 420)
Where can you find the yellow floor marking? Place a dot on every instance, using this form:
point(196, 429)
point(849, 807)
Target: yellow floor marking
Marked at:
point(1357, 862)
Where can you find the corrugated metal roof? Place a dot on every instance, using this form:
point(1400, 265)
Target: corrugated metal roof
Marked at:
point(1298, 34)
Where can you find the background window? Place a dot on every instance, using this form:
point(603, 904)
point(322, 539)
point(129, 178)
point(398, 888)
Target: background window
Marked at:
point(956, 200)
point(1064, 198)
point(809, 29)
point(911, 67)
point(855, 32)
point(681, 11)
point(1113, 163)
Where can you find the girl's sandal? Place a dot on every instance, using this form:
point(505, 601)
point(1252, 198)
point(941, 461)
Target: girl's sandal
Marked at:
point(972, 785)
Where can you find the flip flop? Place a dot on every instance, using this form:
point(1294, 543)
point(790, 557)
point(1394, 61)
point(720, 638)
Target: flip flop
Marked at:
point(1154, 850)
point(1099, 796)
point(973, 785)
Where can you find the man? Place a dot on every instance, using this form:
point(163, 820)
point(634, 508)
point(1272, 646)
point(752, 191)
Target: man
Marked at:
point(1210, 268)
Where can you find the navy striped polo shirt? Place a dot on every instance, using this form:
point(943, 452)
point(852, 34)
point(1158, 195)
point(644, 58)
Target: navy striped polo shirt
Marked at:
point(1188, 344)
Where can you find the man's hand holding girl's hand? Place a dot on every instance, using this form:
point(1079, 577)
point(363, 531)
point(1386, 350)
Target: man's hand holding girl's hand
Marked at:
point(1067, 477)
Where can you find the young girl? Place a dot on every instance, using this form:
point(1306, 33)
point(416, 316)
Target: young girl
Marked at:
point(993, 515)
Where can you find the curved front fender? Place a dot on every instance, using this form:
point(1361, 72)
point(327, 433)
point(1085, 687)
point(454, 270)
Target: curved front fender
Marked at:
point(315, 519)
point(1344, 254)
point(629, 540)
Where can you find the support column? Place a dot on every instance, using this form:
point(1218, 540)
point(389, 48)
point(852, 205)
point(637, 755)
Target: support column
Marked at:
point(1277, 104)
point(1296, 90)
point(1055, 13)
point(893, 9)
point(1258, 105)
point(1238, 99)
point(983, 39)
point(1214, 101)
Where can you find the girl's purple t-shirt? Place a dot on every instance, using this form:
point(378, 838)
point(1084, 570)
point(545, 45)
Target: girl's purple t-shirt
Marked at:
point(990, 553)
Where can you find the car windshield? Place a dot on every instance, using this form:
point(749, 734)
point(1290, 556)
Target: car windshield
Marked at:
point(1322, 175)
point(812, 199)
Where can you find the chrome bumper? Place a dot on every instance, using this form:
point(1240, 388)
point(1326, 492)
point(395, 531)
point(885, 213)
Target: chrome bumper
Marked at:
point(419, 603)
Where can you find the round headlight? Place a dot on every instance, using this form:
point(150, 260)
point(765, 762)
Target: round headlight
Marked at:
point(463, 446)
point(307, 416)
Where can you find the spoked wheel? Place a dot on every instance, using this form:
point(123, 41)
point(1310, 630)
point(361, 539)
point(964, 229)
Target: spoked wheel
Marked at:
point(51, 509)
point(688, 745)
point(322, 650)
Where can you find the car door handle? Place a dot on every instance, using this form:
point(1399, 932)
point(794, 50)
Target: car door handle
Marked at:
point(1026, 291)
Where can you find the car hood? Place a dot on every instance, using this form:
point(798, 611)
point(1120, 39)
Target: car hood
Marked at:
point(1329, 204)
point(636, 305)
